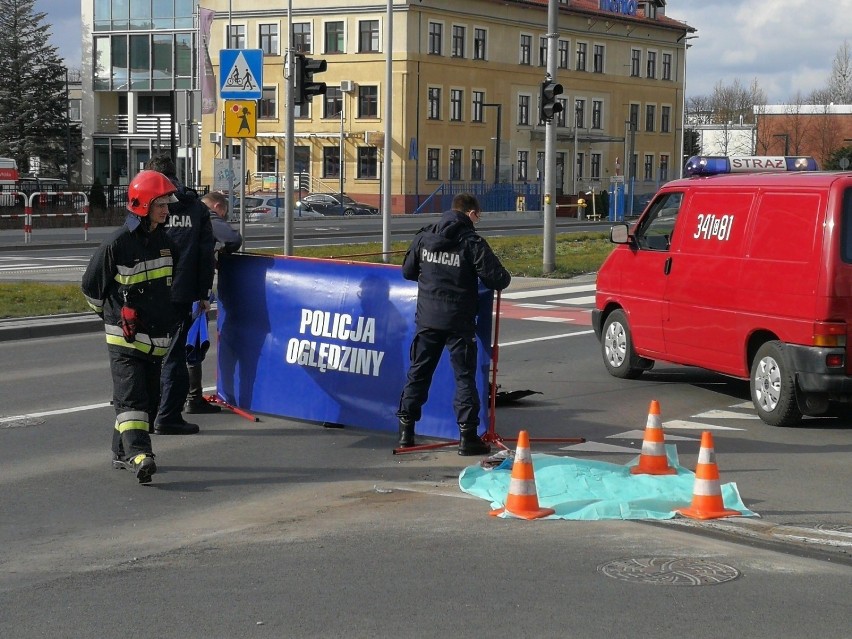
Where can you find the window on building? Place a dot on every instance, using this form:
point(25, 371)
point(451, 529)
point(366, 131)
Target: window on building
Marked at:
point(479, 44)
point(667, 66)
point(649, 167)
point(563, 53)
point(542, 51)
point(266, 159)
point(74, 112)
point(236, 36)
point(458, 41)
point(332, 103)
point(581, 162)
point(476, 108)
point(368, 36)
point(436, 37)
point(523, 165)
point(634, 116)
point(652, 64)
point(597, 114)
point(368, 162)
point(433, 108)
point(582, 51)
point(523, 109)
point(302, 111)
point(476, 173)
point(368, 101)
point(184, 59)
point(650, 117)
point(268, 108)
point(665, 119)
point(267, 37)
point(595, 168)
point(433, 164)
point(664, 168)
point(635, 62)
point(140, 64)
point(161, 61)
point(598, 60)
point(334, 37)
point(539, 165)
point(580, 113)
point(455, 164)
point(526, 49)
point(331, 161)
point(456, 100)
point(302, 37)
point(634, 160)
point(562, 116)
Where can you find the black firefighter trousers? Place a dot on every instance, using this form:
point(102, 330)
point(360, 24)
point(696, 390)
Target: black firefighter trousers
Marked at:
point(135, 396)
point(425, 353)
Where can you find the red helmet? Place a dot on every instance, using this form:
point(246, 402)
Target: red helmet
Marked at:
point(145, 188)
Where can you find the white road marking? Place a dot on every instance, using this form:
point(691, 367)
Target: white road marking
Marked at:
point(686, 425)
point(640, 434)
point(725, 414)
point(599, 447)
point(555, 320)
point(546, 292)
point(575, 300)
point(537, 306)
point(544, 339)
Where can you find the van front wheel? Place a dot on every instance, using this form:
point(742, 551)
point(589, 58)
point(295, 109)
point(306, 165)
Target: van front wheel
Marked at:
point(773, 389)
point(617, 348)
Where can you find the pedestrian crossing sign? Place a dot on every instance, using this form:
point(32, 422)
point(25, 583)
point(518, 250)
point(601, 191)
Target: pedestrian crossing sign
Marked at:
point(241, 72)
point(240, 118)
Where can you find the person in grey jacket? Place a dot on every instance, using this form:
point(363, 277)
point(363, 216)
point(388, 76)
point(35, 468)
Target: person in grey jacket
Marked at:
point(448, 260)
point(228, 240)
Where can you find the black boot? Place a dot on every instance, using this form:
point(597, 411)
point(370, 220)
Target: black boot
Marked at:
point(195, 402)
point(406, 433)
point(470, 443)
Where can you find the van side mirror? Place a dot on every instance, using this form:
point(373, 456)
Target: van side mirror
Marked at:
point(619, 234)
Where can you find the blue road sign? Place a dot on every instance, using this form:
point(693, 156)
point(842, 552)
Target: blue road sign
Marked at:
point(241, 74)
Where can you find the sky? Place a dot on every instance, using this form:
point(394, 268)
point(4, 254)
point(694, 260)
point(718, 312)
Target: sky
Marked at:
point(787, 45)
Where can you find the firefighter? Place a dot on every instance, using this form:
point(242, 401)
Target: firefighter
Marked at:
point(448, 260)
point(128, 284)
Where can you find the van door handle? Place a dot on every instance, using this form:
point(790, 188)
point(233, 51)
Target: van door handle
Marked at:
point(667, 267)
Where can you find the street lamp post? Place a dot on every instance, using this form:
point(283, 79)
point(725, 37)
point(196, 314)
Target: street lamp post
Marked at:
point(499, 108)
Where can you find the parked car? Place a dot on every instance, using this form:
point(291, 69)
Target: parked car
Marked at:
point(265, 207)
point(335, 204)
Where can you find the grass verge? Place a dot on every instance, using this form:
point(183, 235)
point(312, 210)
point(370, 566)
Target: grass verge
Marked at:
point(576, 254)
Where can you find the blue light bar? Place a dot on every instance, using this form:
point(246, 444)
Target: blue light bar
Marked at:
point(717, 165)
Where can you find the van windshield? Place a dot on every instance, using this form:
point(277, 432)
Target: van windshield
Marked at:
point(655, 230)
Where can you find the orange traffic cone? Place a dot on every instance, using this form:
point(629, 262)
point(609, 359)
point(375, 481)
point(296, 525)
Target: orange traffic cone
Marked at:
point(653, 460)
point(522, 501)
point(707, 494)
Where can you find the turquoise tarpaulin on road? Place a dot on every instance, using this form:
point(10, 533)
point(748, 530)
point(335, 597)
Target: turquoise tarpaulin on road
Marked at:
point(591, 490)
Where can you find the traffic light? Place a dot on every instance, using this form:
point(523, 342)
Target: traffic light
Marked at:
point(548, 104)
point(304, 87)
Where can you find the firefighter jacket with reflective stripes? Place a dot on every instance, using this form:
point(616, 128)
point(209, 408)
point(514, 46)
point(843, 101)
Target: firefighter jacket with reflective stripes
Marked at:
point(447, 259)
point(134, 268)
point(189, 227)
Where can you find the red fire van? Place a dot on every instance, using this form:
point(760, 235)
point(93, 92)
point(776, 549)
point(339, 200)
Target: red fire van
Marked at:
point(748, 274)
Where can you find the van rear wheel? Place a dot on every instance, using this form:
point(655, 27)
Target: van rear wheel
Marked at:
point(773, 389)
point(617, 348)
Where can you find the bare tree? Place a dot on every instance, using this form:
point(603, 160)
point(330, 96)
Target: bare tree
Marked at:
point(840, 83)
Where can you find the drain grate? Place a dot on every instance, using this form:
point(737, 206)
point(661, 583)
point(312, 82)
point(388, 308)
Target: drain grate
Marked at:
point(669, 571)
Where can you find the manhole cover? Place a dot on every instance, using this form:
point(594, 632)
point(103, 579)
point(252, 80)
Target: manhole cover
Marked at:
point(669, 571)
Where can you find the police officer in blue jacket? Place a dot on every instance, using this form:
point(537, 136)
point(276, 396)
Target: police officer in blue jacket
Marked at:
point(189, 227)
point(447, 260)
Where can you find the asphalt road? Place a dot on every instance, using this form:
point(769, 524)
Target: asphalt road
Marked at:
point(286, 529)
